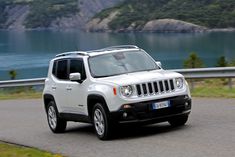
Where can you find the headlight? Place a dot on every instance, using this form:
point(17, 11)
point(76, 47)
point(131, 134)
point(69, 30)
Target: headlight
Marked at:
point(126, 91)
point(179, 82)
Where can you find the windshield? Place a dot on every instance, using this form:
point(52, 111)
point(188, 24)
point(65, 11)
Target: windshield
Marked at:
point(120, 63)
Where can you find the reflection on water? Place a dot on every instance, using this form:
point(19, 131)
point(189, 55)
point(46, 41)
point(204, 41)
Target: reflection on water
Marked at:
point(29, 52)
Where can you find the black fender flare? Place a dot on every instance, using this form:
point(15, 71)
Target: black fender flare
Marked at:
point(46, 99)
point(94, 98)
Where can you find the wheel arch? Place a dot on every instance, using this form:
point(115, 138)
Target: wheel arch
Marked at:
point(92, 99)
point(47, 98)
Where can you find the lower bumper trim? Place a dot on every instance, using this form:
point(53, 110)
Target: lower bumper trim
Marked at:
point(144, 112)
point(158, 119)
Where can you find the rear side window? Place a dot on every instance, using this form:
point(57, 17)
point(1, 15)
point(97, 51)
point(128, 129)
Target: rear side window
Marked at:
point(77, 66)
point(62, 70)
point(54, 68)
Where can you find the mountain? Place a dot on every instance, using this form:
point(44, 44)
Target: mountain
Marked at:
point(139, 15)
point(40, 14)
point(118, 15)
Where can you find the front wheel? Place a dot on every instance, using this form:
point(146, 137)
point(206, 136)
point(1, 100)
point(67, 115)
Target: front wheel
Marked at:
point(178, 121)
point(101, 122)
point(56, 124)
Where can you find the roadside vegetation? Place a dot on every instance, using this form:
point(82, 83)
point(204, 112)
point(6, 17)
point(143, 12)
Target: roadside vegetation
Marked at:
point(9, 150)
point(20, 93)
point(209, 13)
point(209, 87)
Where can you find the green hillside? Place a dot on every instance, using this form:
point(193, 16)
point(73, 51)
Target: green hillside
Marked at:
point(209, 13)
point(42, 12)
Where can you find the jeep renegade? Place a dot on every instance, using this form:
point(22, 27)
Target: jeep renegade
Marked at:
point(119, 84)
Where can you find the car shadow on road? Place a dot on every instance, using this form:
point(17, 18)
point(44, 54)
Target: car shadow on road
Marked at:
point(130, 131)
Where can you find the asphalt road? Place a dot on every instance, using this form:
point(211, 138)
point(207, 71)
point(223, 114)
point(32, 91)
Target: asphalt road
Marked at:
point(210, 132)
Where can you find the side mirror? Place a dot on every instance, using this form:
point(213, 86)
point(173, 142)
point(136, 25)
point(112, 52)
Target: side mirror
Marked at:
point(159, 64)
point(75, 77)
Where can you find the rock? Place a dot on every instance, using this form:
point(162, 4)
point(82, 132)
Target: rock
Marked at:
point(16, 16)
point(91, 7)
point(222, 30)
point(101, 25)
point(162, 25)
point(73, 21)
point(171, 25)
point(87, 9)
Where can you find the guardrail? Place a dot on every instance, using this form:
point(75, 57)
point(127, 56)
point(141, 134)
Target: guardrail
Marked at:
point(198, 73)
point(23, 82)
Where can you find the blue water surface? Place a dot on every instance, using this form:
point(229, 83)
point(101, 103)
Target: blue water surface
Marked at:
point(29, 52)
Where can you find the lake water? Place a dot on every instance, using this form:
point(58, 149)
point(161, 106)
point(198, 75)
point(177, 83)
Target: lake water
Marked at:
point(29, 52)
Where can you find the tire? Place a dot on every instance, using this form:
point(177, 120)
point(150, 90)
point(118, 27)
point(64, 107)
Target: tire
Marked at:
point(56, 124)
point(101, 122)
point(178, 121)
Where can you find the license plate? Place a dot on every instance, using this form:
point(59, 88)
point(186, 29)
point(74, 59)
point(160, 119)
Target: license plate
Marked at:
point(160, 105)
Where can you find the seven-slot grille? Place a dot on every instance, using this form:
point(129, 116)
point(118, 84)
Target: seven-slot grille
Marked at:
point(155, 87)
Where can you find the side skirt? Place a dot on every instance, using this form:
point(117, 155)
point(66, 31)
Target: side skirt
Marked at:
point(75, 117)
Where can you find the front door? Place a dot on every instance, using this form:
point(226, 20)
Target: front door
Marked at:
point(76, 91)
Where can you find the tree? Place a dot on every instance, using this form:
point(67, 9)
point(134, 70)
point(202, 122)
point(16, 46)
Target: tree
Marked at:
point(193, 61)
point(222, 62)
point(232, 63)
point(12, 74)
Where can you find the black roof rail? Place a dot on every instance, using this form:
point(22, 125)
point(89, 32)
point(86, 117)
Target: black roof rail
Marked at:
point(81, 53)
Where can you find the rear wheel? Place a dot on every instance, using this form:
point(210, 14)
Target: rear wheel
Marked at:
point(56, 124)
point(101, 122)
point(178, 121)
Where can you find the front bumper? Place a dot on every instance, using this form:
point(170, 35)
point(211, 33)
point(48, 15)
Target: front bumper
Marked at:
point(143, 112)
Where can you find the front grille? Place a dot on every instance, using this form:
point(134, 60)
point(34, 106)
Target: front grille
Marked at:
point(155, 87)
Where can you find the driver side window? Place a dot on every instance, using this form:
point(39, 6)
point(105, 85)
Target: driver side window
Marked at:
point(76, 65)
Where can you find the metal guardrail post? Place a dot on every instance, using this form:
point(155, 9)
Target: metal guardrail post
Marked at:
point(230, 83)
point(191, 84)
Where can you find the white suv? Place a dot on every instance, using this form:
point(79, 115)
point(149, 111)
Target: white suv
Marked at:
point(120, 84)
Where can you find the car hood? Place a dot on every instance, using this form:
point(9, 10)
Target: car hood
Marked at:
point(140, 77)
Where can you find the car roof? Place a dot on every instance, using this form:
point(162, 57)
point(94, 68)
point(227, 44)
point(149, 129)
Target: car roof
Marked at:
point(112, 49)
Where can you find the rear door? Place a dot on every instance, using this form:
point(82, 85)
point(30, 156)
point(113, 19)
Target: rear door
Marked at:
point(59, 87)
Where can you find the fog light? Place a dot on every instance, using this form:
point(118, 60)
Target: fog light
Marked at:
point(126, 106)
point(124, 115)
point(186, 104)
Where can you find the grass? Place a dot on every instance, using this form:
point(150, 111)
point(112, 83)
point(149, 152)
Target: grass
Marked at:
point(203, 88)
point(217, 92)
point(212, 88)
point(10, 150)
point(21, 95)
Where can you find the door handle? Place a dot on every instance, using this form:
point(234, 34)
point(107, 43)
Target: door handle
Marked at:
point(53, 87)
point(68, 88)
